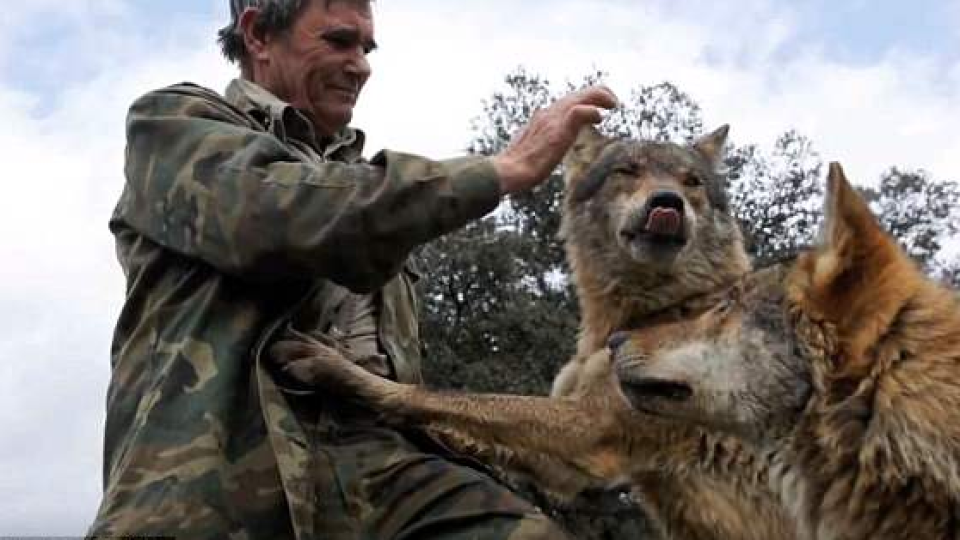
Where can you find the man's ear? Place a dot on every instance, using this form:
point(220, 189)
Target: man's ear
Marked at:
point(254, 38)
point(858, 278)
point(711, 146)
point(576, 163)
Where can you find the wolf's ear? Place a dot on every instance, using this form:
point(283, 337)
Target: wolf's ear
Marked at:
point(711, 146)
point(583, 153)
point(859, 278)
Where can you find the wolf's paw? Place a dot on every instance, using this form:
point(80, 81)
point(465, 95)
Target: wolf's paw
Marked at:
point(321, 362)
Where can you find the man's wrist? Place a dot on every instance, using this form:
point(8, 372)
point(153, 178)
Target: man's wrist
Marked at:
point(477, 184)
point(508, 173)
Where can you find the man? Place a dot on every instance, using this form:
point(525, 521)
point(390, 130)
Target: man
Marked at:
point(250, 215)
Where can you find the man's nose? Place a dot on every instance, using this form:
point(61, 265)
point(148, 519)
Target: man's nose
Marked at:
point(359, 67)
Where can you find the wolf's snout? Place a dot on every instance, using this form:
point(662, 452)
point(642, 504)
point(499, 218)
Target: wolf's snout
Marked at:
point(664, 214)
point(662, 217)
point(666, 200)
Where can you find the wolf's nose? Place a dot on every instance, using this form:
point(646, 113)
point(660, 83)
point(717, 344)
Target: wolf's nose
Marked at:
point(617, 339)
point(666, 199)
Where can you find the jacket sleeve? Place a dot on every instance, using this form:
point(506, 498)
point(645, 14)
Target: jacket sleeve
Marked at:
point(201, 181)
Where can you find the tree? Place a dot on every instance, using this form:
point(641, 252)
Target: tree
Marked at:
point(498, 313)
point(661, 112)
point(778, 198)
point(921, 214)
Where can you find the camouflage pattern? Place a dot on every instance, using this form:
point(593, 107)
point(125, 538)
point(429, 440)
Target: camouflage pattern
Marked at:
point(234, 224)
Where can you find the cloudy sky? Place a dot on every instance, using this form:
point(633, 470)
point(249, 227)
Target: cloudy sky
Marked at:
point(874, 83)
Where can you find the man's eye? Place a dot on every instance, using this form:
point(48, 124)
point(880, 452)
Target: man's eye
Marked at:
point(338, 42)
point(344, 41)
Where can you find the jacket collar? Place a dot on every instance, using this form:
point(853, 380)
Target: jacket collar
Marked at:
point(284, 121)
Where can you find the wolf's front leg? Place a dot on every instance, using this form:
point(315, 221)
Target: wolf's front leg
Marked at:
point(323, 362)
point(584, 435)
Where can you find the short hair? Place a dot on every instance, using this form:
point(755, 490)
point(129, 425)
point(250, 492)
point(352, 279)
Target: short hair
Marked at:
point(276, 16)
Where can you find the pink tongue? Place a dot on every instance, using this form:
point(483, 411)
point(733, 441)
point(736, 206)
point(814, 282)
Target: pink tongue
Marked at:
point(665, 221)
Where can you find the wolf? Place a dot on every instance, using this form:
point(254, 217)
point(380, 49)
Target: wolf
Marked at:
point(649, 236)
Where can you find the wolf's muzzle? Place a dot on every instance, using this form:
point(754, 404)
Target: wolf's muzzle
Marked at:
point(662, 219)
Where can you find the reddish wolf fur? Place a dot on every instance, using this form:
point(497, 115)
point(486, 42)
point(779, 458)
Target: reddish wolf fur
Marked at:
point(648, 234)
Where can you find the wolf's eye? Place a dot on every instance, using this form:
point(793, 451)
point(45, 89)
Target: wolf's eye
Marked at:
point(626, 169)
point(692, 179)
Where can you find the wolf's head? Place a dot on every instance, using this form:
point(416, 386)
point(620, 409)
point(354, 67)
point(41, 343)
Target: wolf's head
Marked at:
point(808, 327)
point(646, 203)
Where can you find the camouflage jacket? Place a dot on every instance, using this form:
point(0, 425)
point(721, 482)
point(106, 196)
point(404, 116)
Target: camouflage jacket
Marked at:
point(234, 222)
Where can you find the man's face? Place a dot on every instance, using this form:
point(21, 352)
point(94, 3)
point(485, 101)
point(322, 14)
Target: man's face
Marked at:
point(319, 66)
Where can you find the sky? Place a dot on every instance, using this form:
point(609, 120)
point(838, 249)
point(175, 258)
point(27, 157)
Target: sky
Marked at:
point(873, 83)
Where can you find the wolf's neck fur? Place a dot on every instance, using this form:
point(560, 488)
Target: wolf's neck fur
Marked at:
point(615, 294)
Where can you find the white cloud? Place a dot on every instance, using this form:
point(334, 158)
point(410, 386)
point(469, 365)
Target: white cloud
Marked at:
point(61, 286)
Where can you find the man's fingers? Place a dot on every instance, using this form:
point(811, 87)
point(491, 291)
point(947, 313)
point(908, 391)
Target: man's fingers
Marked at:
point(587, 105)
point(601, 96)
point(597, 96)
point(581, 115)
point(539, 146)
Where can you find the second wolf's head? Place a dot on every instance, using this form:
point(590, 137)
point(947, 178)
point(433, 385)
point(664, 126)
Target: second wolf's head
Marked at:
point(639, 208)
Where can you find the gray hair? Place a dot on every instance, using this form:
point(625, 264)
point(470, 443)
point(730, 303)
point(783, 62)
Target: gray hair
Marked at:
point(276, 16)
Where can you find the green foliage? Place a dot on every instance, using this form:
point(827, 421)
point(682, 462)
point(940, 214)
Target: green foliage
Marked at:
point(498, 311)
point(491, 321)
point(776, 197)
point(916, 210)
